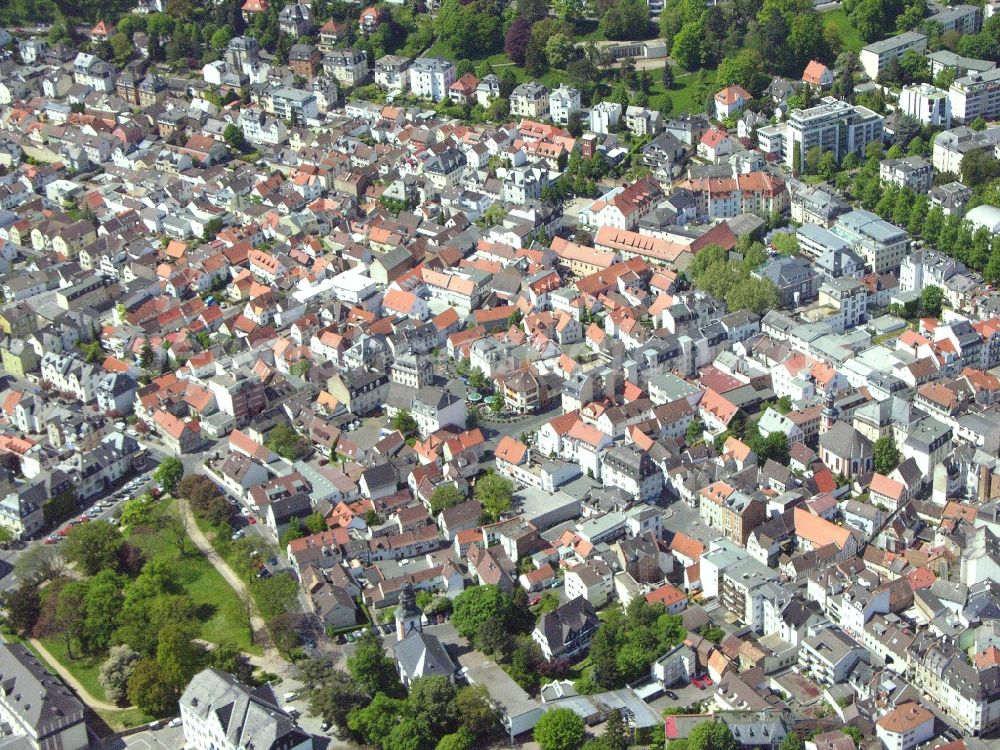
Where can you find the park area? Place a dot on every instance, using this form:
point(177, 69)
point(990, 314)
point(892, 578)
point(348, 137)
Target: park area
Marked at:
point(129, 613)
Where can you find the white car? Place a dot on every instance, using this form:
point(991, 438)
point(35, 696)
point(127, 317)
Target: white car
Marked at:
point(245, 512)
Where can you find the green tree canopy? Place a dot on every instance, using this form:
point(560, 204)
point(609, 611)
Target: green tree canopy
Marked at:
point(94, 546)
point(560, 729)
point(169, 473)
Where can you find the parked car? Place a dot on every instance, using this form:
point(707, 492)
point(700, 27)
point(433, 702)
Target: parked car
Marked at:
point(670, 694)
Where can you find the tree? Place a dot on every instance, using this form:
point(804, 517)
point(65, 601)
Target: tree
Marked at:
point(474, 710)
point(169, 473)
point(979, 167)
point(930, 300)
point(854, 733)
point(445, 496)
point(23, 606)
point(560, 729)
point(616, 735)
point(404, 422)
point(375, 722)
point(178, 654)
point(370, 668)
point(286, 442)
point(559, 50)
point(60, 507)
point(827, 166)
point(570, 11)
point(792, 741)
point(146, 357)
point(116, 671)
point(712, 633)
point(463, 739)
point(315, 523)
point(711, 735)
point(517, 40)
point(102, 605)
point(495, 494)
point(432, 702)
point(39, 563)
point(149, 691)
point(121, 47)
point(474, 606)
point(886, 454)
point(694, 432)
point(220, 39)
point(138, 511)
point(333, 695)
point(754, 294)
point(626, 19)
point(687, 48)
point(70, 613)
point(745, 68)
point(94, 546)
point(234, 138)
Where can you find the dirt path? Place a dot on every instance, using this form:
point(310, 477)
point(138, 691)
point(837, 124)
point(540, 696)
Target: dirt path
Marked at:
point(70, 680)
point(271, 660)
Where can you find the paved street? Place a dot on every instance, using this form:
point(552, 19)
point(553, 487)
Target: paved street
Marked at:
point(166, 738)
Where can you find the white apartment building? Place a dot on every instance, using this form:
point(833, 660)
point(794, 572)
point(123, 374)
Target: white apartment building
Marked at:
point(951, 145)
point(221, 713)
point(37, 710)
point(976, 95)
point(905, 727)
point(604, 116)
point(430, 78)
point(294, 105)
point(913, 172)
point(882, 244)
point(564, 102)
point(929, 104)
point(849, 297)
point(965, 19)
point(877, 55)
point(832, 125)
point(392, 73)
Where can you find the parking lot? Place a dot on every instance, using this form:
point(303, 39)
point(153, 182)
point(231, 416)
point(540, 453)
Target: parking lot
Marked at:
point(687, 695)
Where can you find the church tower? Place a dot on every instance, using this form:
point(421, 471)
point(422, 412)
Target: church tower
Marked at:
point(829, 414)
point(407, 614)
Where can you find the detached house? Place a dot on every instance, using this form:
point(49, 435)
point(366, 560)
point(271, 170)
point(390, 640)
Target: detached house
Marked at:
point(567, 630)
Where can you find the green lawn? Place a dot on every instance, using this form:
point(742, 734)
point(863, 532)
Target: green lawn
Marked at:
point(848, 34)
point(220, 612)
point(684, 94)
point(222, 616)
point(84, 669)
point(500, 63)
point(121, 720)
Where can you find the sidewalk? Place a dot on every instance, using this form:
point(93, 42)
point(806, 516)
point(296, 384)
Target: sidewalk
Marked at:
point(271, 661)
point(70, 680)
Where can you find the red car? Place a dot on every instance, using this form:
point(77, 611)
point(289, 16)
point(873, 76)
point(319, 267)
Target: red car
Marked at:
point(251, 520)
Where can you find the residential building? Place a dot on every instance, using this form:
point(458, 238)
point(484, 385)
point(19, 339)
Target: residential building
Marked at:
point(431, 77)
point(930, 105)
point(874, 57)
point(912, 172)
point(567, 630)
point(218, 712)
point(832, 125)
